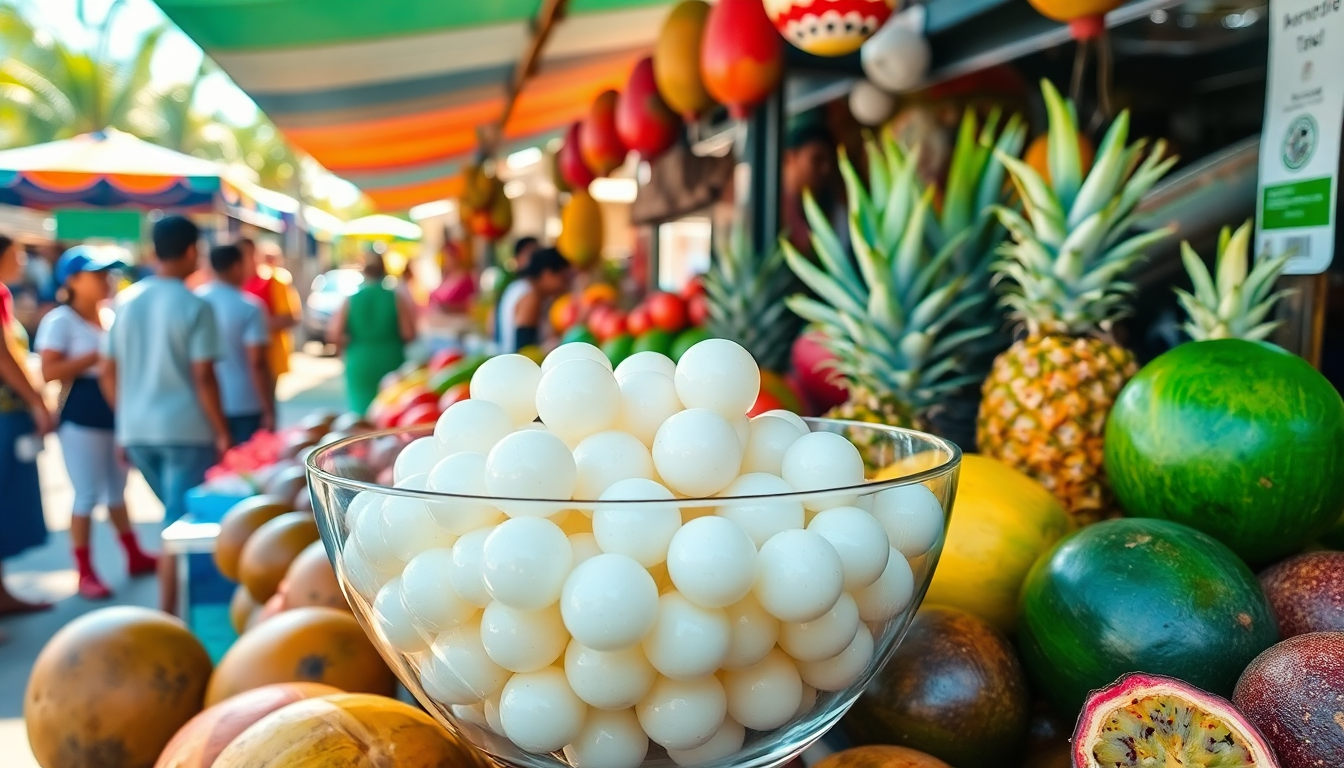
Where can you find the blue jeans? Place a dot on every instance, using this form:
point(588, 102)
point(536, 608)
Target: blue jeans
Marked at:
point(242, 428)
point(171, 471)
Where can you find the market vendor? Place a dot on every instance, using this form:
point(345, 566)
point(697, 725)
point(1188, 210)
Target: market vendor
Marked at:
point(522, 316)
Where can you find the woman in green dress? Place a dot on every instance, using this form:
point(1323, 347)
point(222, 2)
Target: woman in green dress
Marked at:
point(373, 327)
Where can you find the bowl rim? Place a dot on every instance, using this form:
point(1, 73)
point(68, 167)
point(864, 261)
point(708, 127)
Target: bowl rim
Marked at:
point(868, 487)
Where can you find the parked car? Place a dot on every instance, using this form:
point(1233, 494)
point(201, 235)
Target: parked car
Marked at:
point(330, 290)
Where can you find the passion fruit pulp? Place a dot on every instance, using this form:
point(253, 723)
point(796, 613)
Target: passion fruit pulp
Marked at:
point(1152, 720)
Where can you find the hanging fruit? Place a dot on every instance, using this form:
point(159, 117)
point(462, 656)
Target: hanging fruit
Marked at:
point(897, 58)
point(573, 169)
point(644, 122)
point(581, 234)
point(742, 57)
point(870, 105)
point(828, 27)
point(1086, 18)
point(494, 220)
point(599, 144)
point(676, 59)
point(476, 187)
point(553, 167)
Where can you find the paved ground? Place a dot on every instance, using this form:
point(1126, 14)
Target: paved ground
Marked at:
point(46, 573)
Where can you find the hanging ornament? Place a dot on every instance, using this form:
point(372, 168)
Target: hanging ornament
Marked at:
point(676, 59)
point(644, 122)
point(600, 145)
point(897, 58)
point(870, 105)
point(573, 169)
point(1087, 24)
point(828, 27)
point(742, 57)
point(495, 219)
point(1086, 18)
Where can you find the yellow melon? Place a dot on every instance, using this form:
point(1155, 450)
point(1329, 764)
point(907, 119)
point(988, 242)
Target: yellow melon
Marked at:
point(581, 233)
point(238, 525)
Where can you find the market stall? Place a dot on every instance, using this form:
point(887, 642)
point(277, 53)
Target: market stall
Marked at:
point(968, 449)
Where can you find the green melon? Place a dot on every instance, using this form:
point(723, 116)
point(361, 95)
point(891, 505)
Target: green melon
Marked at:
point(687, 339)
point(1239, 439)
point(653, 341)
point(1139, 595)
point(578, 333)
point(617, 348)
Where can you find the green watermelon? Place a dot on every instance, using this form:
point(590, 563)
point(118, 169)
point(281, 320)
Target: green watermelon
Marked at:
point(578, 332)
point(1239, 439)
point(687, 339)
point(653, 341)
point(1139, 595)
point(617, 348)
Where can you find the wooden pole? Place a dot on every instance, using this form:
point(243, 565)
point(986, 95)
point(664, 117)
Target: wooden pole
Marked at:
point(550, 14)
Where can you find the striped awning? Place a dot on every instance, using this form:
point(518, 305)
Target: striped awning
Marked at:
point(389, 93)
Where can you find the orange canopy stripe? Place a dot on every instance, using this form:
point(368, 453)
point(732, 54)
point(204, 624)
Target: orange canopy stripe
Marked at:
point(401, 198)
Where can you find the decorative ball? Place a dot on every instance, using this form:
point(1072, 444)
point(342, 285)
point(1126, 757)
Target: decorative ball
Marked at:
point(394, 621)
point(763, 518)
point(578, 398)
point(825, 637)
point(417, 458)
point(686, 640)
point(712, 561)
point(466, 577)
point(509, 381)
point(753, 632)
point(870, 105)
point(606, 458)
point(697, 453)
point(530, 465)
point(471, 425)
point(726, 741)
point(525, 561)
point(648, 398)
point(770, 436)
point(799, 576)
point(912, 517)
point(828, 27)
point(609, 740)
point(461, 474)
point(765, 695)
point(575, 350)
point(431, 606)
point(897, 58)
point(823, 460)
point(719, 375)
point(609, 602)
point(641, 532)
point(609, 679)
point(646, 361)
point(839, 671)
point(860, 540)
point(890, 594)
point(522, 641)
point(683, 714)
point(458, 670)
point(540, 712)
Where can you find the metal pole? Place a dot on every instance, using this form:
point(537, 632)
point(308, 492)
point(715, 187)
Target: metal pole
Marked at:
point(764, 153)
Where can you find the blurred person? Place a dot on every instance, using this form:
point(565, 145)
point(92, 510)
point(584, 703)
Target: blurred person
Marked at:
point(522, 315)
point(24, 419)
point(69, 339)
point(523, 248)
point(457, 288)
point(159, 373)
point(246, 388)
point(274, 285)
point(809, 164)
point(372, 327)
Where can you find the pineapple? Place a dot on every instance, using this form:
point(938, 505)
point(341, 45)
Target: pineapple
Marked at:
point(1046, 400)
point(746, 293)
point(1236, 305)
point(901, 323)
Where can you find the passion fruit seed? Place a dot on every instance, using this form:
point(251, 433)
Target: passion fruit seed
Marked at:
point(1167, 730)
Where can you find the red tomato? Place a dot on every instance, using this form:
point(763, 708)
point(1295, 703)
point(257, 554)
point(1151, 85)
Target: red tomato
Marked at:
point(638, 322)
point(424, 413)
point(765, 402)
point(455, 394)
point(607, 324)
point(413, 397)
point(694, 287)
point(443, 358)
point(667, 311)
point(697, 309)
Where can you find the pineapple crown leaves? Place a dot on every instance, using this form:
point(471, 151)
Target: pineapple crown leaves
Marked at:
point(1234, 303)
point(746, 289)
point(890, 314)
point(1069, 252)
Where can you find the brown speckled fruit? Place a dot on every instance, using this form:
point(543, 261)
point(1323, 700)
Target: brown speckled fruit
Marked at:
point(312, 581)
point(111, 688)
point(1294, 693)
point(1306, 593)
point(238, 525)
point(881, 756)
point(953, 689)
point(270, 549)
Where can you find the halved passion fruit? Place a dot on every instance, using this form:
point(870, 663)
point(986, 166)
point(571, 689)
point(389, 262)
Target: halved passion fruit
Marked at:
point(1151, 721)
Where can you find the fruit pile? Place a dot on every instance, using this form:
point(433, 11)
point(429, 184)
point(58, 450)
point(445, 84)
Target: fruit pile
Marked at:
point(129, 687)
point(596, 626)
point(666, 323)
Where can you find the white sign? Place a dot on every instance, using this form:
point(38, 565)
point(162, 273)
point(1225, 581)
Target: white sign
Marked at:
point(1304, 120)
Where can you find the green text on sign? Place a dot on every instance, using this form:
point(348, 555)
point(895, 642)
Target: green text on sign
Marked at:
point(1300, 204)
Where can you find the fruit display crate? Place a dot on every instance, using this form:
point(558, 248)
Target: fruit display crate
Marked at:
point(202, 591)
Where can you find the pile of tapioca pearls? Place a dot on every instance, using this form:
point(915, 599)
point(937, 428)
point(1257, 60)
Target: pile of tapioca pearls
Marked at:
point(596, 631)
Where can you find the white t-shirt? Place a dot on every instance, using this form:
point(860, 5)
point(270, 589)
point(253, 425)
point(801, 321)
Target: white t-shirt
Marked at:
point(508, 311)
point(241, 320)
point(63, 330)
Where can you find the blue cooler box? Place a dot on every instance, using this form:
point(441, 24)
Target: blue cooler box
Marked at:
point(203, 593)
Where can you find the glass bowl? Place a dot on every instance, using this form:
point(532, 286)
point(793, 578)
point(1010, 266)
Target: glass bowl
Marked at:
point(514, 671)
